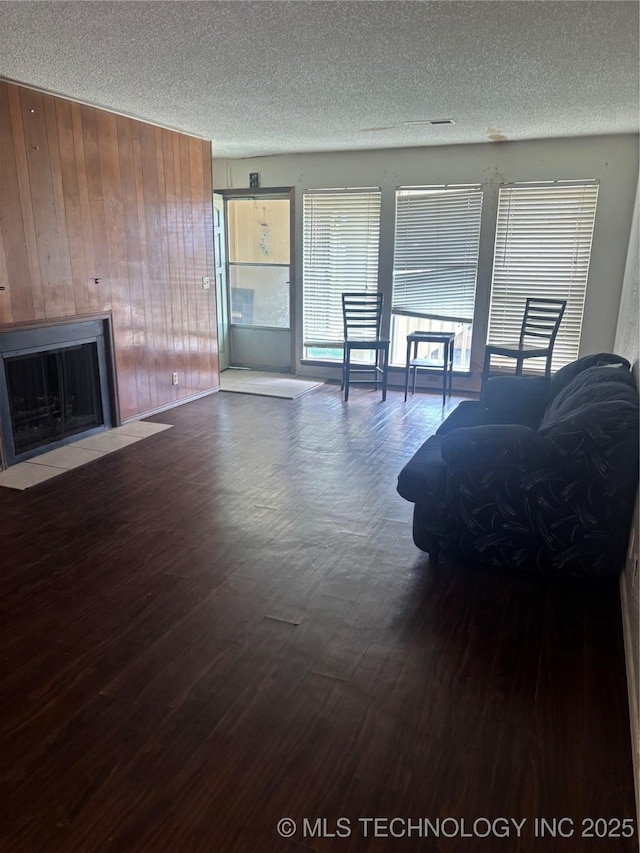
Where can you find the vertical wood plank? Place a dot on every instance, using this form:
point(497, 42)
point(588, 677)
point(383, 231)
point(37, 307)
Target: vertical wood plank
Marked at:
point(160, 369)
point(87, 286)
point(66, 284)
point(172, 293)
point(134, 261)
point(190, 316)
point(117, 259)
point(18, 292)
point(100, 291)
point(200, 260)
point(162, 248)
point(42, 201)
point(72, 227)
point(6, 313)
point(26, 205)
point(207, 201)
point(149, 350)
point(184, 353)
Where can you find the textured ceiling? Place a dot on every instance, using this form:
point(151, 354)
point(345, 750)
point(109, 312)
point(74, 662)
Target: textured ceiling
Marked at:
point(270, 77)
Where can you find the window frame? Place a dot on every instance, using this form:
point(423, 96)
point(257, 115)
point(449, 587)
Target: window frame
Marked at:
point(439, 225)
point(533, 228)
point(335, 261)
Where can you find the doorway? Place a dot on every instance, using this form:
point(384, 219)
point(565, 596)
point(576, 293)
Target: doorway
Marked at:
point(259, 279)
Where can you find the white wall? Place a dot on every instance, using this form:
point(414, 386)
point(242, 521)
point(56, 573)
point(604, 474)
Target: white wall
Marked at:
point(611, 159)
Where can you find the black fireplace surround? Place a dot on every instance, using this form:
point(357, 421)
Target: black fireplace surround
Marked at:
point(54, 387)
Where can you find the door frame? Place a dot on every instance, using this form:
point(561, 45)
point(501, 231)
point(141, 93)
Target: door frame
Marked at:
point(257, 192)
point(221, 288)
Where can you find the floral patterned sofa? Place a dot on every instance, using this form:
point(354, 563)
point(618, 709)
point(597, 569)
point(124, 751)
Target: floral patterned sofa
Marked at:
point(540, 476)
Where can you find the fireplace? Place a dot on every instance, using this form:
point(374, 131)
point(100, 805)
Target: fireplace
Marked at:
point(54, 387)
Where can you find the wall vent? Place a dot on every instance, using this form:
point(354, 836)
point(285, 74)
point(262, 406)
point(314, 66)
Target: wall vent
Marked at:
point(428, 121)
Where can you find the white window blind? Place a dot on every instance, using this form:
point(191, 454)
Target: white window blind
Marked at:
point(341, 236)
point(436, 252)
point(542, 249)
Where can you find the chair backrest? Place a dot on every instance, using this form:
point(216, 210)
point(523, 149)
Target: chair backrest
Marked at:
point(541, 322)
point(362, 316)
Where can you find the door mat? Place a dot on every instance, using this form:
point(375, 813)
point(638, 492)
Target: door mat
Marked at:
point(265, 384)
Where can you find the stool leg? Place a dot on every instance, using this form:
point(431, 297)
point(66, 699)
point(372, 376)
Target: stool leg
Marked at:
point(406, 371)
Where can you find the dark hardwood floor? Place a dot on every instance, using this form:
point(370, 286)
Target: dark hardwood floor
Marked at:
point(228, 624)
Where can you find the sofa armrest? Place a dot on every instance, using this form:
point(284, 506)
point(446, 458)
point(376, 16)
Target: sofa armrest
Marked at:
point(516, 399)
point(497, 445)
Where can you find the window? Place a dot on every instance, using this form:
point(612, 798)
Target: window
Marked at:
point(543, 248)
point(259, 270)
point(435, 265)
point(341, 235)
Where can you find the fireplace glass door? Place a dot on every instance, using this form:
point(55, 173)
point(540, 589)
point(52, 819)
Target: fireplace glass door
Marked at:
point(53, 394)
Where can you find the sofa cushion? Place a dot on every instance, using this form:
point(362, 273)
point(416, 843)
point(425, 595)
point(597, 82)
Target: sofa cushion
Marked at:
point(496, 446)
point(516, 399)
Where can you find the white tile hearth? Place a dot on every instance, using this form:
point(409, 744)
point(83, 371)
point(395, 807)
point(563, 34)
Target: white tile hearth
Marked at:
point(25, 474)
point(106, 442)
point(70, 456)
point(140, 428)
point(54, 462)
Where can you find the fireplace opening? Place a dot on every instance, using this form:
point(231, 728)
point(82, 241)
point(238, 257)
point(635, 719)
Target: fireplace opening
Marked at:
point(53, 395)
point(54, 387)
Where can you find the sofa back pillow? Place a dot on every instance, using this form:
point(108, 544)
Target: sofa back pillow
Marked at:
point(599, 436)
point(568, 373)
point(594, 385)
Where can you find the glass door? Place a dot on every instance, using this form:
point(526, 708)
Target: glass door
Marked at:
point(259, 281)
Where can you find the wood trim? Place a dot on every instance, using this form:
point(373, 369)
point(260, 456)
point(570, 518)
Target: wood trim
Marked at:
point(171, 405)
point(132, 116)
point(271, 192)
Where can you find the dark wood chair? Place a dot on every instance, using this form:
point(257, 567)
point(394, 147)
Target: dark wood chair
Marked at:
point(540, 324)
point(362, 319)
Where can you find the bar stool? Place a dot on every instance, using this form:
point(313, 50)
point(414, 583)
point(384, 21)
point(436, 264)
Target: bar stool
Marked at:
point(414, 363)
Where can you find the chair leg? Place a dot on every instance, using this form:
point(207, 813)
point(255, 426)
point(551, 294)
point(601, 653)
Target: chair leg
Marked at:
point(547, 367)
point(385, 371)
point(347, 365)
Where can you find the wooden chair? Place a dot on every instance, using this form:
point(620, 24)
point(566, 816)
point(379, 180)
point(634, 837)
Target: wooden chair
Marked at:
point(362, 319)
point(540, 326)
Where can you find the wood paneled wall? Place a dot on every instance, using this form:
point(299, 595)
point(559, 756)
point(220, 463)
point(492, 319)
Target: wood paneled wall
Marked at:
point(85, 195)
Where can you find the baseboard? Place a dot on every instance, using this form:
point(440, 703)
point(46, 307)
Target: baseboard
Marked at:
point(172, 405)
point(632, 690)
